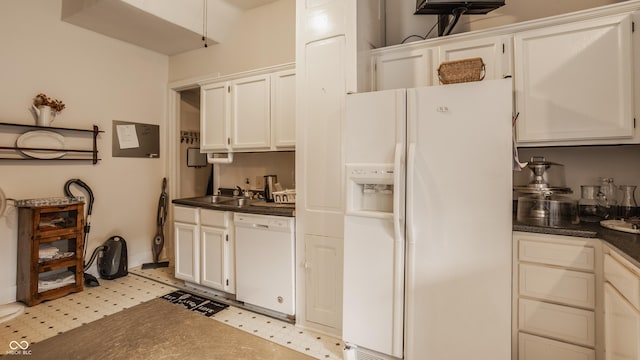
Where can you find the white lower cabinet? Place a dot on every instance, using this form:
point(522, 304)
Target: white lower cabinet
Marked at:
point(533, 347)
point(204, 247)
point(621, 309)
point(556, 302)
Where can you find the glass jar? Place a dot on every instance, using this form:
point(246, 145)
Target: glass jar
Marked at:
point(628, 205)
point(608, 191)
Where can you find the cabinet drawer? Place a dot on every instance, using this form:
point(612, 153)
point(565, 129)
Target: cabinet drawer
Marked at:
point(531, 347)
point(214, 218)
point(184, 214)
point(562, 253)
point(622, 278)
point(557, 321)
point(558, 285)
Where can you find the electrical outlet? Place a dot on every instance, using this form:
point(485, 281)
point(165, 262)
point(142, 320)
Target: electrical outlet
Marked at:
point(259, 182)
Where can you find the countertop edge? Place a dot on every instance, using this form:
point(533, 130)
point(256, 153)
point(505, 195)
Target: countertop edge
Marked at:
point(260, 210)
point(627, 244)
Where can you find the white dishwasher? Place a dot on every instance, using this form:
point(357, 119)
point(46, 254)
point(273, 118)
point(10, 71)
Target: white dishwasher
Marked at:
point(265, 250)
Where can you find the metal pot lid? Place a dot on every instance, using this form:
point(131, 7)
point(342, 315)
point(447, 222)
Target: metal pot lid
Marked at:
point(542, 189)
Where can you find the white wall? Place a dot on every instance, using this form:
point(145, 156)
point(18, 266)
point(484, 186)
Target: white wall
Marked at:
point(401, 22)
point(252, 165)
point(100, 80)
point(261, 37)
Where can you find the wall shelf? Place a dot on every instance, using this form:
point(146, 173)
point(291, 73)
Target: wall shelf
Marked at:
point(93, 152)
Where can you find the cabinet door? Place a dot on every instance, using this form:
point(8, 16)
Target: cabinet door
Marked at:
point(494, 51)
point(212, 257)
point(323, 280)
point(283, 109)
point(574, 84)
point(187, 244)
point(251, 113)
point(404, 68)
point(214, 117)
point(531, 347)
point(622, 327)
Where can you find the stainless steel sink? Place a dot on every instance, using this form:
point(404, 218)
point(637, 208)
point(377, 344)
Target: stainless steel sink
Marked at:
point(239, 202)
point(216, 199)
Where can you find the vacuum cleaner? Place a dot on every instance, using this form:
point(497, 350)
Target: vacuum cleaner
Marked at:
point(158, 240)
point(112, 255)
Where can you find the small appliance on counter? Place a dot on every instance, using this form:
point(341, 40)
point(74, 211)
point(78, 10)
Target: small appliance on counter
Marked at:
point(270, 187)
point(544, 201)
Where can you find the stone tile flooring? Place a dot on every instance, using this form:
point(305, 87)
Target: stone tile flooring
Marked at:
point(57, 316)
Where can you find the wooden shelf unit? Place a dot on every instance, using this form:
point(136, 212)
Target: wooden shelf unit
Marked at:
point(62, 225)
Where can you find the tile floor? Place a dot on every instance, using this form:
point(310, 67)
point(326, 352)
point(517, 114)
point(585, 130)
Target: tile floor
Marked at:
point(57, 316)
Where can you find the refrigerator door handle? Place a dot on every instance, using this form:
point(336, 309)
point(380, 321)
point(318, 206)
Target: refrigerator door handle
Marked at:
point(411, 157)
point(397, 192)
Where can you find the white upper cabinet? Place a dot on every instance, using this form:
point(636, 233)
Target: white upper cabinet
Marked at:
point(574, 83)
point(214, 117)
point(494, 51)
point(403, 68)
point(283, 109)
point(251, 113)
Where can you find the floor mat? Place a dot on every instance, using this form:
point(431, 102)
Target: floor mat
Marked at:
point(195, 303)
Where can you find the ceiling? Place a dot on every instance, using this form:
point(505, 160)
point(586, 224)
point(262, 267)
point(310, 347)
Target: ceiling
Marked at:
point(166, 26)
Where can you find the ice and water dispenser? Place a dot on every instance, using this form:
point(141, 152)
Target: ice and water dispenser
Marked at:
point(370, 190)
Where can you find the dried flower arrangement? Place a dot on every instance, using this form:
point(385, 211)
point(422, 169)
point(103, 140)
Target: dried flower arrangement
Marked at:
point(43, 99)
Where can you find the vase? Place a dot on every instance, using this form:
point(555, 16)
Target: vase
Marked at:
point(45, 115)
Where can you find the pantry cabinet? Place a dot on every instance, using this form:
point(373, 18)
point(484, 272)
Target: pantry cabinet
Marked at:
point(204, 246)
point(574, 83)
point(621, 308)
point(249, 113)
point(557, 301)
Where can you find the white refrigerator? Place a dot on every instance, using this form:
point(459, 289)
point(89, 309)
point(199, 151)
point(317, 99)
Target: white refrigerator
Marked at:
point(427, 232)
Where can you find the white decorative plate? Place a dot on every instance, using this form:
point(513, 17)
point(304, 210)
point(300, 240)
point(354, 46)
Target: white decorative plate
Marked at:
point(42, 139)
point(619, 225)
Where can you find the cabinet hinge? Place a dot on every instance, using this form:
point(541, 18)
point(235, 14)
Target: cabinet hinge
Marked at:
point(503, 48)
point(227, 237)
point(633, 26)
point(227, 282)
point(634, 123)
point(228, 141)
point(228, 89)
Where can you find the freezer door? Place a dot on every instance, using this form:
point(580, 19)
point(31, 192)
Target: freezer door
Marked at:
point(458, 298)
point(375, 123)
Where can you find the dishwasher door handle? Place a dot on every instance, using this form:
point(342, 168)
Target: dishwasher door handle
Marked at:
point(261, 226)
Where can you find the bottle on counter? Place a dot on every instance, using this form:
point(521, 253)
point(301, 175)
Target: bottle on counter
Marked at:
point(608, 191)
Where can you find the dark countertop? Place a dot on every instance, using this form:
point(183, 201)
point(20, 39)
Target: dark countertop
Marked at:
point(255, 206)
point(627, 243)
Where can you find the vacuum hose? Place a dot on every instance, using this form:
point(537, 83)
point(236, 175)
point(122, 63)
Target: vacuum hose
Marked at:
point(87, 223)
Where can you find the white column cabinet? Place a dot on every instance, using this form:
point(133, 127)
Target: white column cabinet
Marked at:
point(204, 248)
point(574, 83)
point(621, 308)
point(329, 34)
